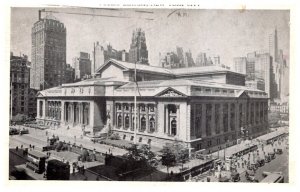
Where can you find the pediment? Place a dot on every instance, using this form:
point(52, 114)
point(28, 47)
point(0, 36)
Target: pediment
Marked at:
point(243, 95)
point(170, 92)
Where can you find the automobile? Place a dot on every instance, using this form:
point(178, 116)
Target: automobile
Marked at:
point(261, 162)
point(250, 176)
point(279, 151)
point(272, 155)
point(13, 131)
point(267, 159)
point(235, 176)
point(252, 166)
point(224, 179)
point(24, 131)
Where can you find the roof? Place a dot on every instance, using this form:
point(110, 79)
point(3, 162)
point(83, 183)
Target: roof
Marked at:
point(96, 81)
point(37, 154)
point(205, 69)
point(186, 87)
point(139, 67)
point(51, 92)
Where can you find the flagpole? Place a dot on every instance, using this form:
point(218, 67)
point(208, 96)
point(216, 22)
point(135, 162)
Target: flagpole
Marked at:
point(135, 121)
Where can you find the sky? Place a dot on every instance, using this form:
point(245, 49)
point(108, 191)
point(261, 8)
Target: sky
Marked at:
point(227, 33)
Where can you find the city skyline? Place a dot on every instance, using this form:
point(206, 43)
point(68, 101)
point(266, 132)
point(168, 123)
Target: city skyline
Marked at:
point(198, 30)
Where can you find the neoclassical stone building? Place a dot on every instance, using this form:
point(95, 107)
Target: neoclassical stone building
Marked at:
point(206, 107)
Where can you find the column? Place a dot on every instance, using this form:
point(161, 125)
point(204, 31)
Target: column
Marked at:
point(178, 119)
point(72, 112)
point(123, 115)
point(203, 123)
point(44, 108)
point(62, 111)
point(131, 110)
point(229, 114)
point(167, 119)
point(213, 119)
point(38, 108)
point(147, 117)
point(156, 116)
point(221, 114)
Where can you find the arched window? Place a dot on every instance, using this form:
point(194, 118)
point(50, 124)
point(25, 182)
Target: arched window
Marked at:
point(143, 124)
point(119, 121)
point(152, 124)
point(126, 122)
point(173, 127)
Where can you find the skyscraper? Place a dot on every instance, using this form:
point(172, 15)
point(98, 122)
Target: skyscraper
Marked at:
point(239, 64)
point(48, 53)
point(103, 52)
point(201, 59)
point(273, 46)
point(138, 49)
point(82, 65)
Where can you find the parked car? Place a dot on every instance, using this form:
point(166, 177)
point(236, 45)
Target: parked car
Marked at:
point(272, 155)
point(13, 131)
point(224, 179)
point(279, 151)
point(235, 176)
point(24, 131)
point(267, 158)
point(261, 162)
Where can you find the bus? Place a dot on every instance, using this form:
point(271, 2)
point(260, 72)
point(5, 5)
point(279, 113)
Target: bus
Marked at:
point(36, 161)
point(273, 178)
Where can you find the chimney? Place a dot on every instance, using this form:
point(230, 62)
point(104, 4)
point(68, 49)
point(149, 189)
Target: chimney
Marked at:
point(40, 12)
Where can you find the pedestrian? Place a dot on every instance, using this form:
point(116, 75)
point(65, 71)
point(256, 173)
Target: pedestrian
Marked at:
point(17, 148)
point(83, 171)
point(29, 146)
point(21, 146)
point(33, 147)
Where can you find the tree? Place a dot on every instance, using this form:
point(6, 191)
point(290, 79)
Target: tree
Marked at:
point(173, 153)
point(168, 157)
point(142, 153)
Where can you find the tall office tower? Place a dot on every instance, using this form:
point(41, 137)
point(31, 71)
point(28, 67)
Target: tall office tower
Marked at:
point(217, 60)
point(263, 70)
point(250, 66)
point(180, 56)
point(69, 74)
point(102, 53)
point(138, 49)
point(19, 79)
point(188, 59)
point(98, 57)
point(48, 53)
point(273, 46)
point(201, 59)
point(82, 65)
point(239, 64)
